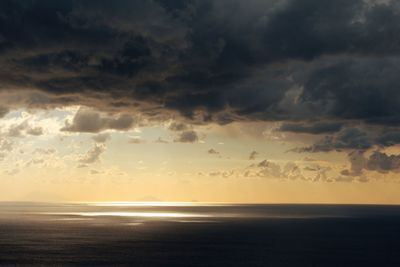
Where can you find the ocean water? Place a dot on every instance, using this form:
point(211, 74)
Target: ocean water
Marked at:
point(198, 234)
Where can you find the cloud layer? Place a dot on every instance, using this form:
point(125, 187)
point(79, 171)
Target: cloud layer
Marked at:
point(207, 60)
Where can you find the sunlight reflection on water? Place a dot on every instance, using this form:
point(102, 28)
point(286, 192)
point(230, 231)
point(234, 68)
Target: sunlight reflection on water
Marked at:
point(129, 214)
point(152, 204)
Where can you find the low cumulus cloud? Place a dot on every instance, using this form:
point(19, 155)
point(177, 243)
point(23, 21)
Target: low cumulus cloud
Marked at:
point(212, 151)
point(377, 161)
point(178, 127)
point(101, 138)
point(136, 140)
point(12, 172)
point(187, 137)
point(93, 122)
point(287, 171)
point(160, 140)
point(36, 131)
point(93, 154)
point(44, 151)
point(6, 145)
point(253, 155)
point(22, 129)
point(290, 171)
point(223, 174)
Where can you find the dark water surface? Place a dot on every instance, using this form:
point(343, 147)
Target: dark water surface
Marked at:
point(168, 234)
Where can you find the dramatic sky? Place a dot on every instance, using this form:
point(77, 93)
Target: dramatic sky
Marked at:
point(207, 100)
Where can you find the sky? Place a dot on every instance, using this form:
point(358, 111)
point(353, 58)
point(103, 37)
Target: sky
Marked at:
point(258, 101)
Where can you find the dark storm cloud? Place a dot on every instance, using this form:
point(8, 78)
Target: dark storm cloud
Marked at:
point(315, 128)
point(364, 89)
point(389, 138)
point(209, 60)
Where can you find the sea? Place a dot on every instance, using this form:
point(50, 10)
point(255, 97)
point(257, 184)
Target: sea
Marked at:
point(198, 234)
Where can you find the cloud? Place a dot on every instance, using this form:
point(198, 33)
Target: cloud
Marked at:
point(359, 138)
point(43, 151)
point(269, 169)
point(309, 168)
point(289, 171)
point(377, 161)
point(178, 127)
point(93, 155)
point(22, 129)
point(35, 162)
point(136, 140)
point(344, 179)
point(212, 151)
point(94, 122)
point(214, 174)
point(36, 131)
point(101, 138)
point(309, 159)
point(383, 163)
point(187, 137)
point(12, 172)
point(162, 58)
point(161, 141)
point(94, 172)
point(253, 155)
point(357, 162)
point(314, 128)
point(6, 145)
point(222, 174)
point(3, 111)
point(16, 130)
point(80, 166)
point(388, 138)
point(292, 171)
point(349, 138)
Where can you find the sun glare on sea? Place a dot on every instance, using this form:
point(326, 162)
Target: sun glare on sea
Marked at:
point(129, 214)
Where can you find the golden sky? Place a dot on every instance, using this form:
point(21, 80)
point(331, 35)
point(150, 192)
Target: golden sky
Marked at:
point(239, 162)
